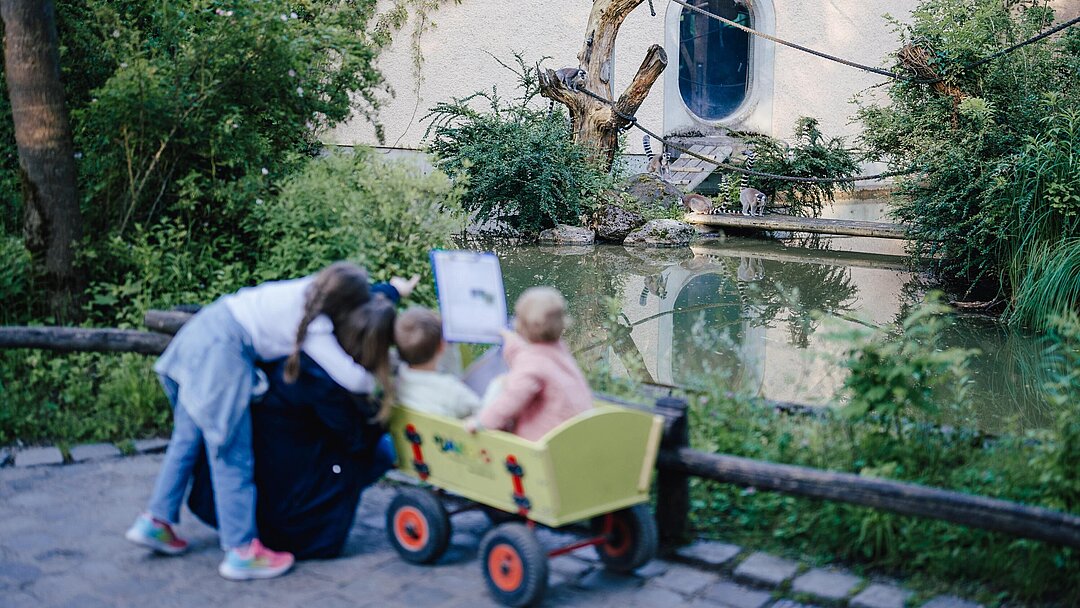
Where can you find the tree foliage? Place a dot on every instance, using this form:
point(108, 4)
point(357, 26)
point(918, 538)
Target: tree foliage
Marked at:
point(1000, 163)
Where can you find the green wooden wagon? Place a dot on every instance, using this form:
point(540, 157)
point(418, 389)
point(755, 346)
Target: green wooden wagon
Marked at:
point(596, 468)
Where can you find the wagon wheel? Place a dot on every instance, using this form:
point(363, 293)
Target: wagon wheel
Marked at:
point(515, 565)
point(632, 538)
point(418, 526)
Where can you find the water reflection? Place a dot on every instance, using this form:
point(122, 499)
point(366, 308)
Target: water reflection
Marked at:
point(741, 312)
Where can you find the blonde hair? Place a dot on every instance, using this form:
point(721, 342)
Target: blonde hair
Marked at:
point(337, 291)
point(366, 334)
point(418, 335)
point(540, 314)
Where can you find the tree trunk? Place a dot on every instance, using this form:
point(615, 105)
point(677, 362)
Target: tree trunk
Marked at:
point(595, 123)
point(53, 222)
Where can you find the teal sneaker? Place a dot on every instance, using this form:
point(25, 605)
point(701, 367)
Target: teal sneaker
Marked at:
point(155, 534)
point(254, 561)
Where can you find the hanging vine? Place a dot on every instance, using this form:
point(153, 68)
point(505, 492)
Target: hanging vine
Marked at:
point(397, 16)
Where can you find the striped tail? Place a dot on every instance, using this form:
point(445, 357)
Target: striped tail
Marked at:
point(749, 167)
point(648, 148)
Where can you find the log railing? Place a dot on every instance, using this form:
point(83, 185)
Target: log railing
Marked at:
point(677, 461)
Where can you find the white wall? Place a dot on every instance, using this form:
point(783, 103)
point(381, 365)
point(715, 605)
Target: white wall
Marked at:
point(456, 60)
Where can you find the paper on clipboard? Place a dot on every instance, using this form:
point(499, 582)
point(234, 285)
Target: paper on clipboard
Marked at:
point(472, 300)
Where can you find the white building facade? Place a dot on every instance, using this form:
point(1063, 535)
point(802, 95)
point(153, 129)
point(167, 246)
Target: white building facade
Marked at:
point(717, 77)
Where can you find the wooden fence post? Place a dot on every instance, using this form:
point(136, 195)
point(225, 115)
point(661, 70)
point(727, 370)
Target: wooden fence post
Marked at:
point(672, 487)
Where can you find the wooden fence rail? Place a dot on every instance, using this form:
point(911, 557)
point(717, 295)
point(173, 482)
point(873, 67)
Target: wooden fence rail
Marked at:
point(677, 461)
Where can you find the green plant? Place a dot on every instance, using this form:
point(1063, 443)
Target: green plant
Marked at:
point(385, 215)
point(999, 157)
point(906, 374)
point(810, 154)
point(517, 162)
point(14, 279)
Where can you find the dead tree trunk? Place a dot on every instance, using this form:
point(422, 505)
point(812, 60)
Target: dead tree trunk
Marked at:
point(596, 124)
point(53, 222)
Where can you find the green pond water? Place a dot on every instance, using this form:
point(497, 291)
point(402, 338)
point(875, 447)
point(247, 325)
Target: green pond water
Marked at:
point(740, 311)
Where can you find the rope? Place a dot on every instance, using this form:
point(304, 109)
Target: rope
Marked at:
point(633, 122)
point(872, 69)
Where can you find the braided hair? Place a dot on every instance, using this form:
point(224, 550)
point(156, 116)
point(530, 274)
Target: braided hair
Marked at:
point(337, 291)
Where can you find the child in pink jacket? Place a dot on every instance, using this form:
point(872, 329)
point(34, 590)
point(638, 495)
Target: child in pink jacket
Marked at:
point(544, 386)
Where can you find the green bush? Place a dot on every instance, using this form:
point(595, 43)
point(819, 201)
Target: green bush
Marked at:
point(999, 178)
point(385, 215)
point(518, 163)
point(14, 279)
point(79, 398)
point(895, 436)
point(808, 155)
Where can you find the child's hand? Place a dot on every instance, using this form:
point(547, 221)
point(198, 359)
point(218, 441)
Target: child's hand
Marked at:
point(472, 425)
point(405, 287)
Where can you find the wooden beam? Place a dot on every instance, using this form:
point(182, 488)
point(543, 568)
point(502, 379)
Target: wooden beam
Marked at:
point(166, 321)
point(908, 499)
point(789, 223)
point(84, 339)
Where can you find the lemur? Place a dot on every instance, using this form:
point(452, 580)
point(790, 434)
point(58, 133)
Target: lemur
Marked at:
point(752, 199)
point(659, 164)
point(572, 78)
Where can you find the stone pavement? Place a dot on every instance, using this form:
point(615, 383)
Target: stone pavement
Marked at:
point(61, 544)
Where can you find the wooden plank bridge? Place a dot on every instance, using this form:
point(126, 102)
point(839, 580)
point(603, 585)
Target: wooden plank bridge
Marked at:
point(790, 223)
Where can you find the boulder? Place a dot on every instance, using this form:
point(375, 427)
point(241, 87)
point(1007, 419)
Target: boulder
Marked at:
point(661, 233)
point(651, 192)
point(568, 235)
point(613, 223)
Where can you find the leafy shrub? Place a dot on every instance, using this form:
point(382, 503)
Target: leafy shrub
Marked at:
point(1040, 468)
point(518, 163)
point(808, 155)
point(14, 278)
point(1000, 168)
point(385, 215)
point(905, 374)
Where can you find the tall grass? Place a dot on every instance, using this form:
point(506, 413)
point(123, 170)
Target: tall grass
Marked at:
point(1049, 284)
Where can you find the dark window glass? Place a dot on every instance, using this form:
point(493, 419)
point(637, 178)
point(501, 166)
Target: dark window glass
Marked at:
point(713, 58)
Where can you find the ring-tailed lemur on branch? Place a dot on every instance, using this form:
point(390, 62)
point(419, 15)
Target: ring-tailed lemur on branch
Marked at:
point(659, 164)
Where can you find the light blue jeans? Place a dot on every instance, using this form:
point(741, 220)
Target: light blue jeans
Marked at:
point(231, 473)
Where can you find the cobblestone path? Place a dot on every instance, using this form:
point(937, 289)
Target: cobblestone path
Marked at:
point(61, 544)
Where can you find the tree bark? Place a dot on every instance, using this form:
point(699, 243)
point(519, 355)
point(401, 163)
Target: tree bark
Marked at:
point(595, 123)
point(53, 222)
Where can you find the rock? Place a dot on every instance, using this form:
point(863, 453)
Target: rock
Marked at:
point(568, 235)
point(652, 192)
point(38, 456)
point(613, 223)
point(93, 451)
point(492, 228)
point(662, 233)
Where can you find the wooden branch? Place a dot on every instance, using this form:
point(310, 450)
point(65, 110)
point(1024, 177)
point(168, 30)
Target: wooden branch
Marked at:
point(554, 89)
point(166, 321)
point(82, 339)
point(651, 67)
point(909, 499)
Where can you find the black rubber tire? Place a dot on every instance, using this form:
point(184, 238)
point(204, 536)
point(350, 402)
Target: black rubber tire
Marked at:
point(418, 526)
point(519, 541)
point(498, 516)
point(634, 539)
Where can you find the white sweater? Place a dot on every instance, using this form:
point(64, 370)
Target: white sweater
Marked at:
point(271, 312)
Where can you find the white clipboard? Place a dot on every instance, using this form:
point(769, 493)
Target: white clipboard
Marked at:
point(472, 300)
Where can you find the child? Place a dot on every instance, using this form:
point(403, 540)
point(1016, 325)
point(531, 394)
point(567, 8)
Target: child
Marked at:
point(544, 386)
point(208, 373)
point(418, 335)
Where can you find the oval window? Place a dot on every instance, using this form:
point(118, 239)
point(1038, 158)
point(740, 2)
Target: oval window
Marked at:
point(714, 58)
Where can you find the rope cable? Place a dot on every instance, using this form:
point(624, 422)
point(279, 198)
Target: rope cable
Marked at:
point(872, 69)
point(633, 121)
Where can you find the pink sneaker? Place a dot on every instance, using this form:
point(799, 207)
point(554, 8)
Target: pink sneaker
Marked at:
point(155, 534)
point(254, 561)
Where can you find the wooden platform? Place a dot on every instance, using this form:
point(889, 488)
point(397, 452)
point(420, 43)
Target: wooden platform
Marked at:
point(788, 223)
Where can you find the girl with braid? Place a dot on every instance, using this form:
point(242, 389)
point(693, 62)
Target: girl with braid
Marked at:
point(210, 376)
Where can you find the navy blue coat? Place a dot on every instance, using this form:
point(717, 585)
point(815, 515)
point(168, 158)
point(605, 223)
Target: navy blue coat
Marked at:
point(315, 452)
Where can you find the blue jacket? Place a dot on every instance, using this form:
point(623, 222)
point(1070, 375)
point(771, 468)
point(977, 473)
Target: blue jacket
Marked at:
point(315, 452)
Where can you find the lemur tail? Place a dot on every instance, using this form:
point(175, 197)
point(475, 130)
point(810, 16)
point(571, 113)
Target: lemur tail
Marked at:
point(648, 147)
point(749, 167)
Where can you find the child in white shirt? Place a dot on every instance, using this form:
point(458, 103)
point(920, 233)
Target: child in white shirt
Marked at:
point(420, 386)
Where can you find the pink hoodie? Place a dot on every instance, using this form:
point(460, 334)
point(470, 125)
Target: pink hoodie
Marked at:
point(543, 388)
